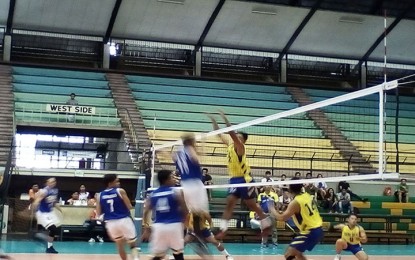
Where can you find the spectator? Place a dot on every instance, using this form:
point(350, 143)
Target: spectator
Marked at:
point(309, 187)
point(72, 102)
point(83, 195)
point(297, 175)
point(93, 222)
point(345, 185)
point(330, 201)
point(344, 202)
point(284, 187)
point(321, 187)
point(92, 202)
point(207, 180)
point(177, 178)
point(267, 178)
point(82, 163)
point(32, 194)
point(403, 191)
point(74, 200)
point(284, 200)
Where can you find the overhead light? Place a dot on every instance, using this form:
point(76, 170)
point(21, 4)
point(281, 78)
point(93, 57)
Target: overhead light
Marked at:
point(351, 19)
point(264, 10)
point(177, 2)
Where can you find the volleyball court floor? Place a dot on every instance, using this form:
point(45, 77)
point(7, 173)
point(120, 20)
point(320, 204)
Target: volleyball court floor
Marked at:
point(28, 250)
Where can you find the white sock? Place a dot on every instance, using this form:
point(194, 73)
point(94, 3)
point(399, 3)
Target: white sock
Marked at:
point(224, 252)
point(337, 255)
point(224, 224)
point(134, 252)
point(50, 244)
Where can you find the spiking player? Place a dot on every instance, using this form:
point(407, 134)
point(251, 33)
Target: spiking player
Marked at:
point(45, 201)
point(239, 172)
point(114, 203)
point(169, 214)
point(352, 236)
point(187, 163)
point(306, 217)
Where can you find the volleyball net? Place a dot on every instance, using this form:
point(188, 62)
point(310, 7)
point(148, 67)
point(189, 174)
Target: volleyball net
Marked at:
point(332, 133)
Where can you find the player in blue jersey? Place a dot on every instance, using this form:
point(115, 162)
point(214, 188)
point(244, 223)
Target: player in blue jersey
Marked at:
point(169, 213)
point(187, 163)
point(45, 201)
point(114, 203)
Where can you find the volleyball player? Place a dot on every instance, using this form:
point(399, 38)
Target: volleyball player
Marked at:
point(239, 172)
point(169, 214)
point(114, 203)
point(187, 163)
point(45, 201)
point(352, 237)
point(306, 217)
point(200, 224)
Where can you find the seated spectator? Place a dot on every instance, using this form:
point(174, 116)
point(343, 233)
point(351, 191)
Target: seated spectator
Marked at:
point(91, 224)
point(403, 191)
point(32, 194)
point(284, 187)
point(284, 200)
point(83, 195)
point(207, 180)
point(321, 187)
point(330, 201)
point(92, 202)
point(267, 178)
point(297, 174)
point(72, 102)
point(345, 185)
point(344, 202)
point(74, 200)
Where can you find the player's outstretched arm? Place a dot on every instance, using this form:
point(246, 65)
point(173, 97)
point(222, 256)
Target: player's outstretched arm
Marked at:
point(339, 226)
point(216, 127)
point(239, 146)
point(362, 235)
point(292, 209)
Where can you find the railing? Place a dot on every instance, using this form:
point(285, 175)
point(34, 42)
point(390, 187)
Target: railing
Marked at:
point(37, 113)
point(131, 128)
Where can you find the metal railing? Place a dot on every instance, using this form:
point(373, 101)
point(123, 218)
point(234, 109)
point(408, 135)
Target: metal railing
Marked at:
point(122, 111)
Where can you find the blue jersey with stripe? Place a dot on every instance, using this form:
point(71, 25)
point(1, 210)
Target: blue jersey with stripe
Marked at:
point(165, 205)
point(112, 204)
point(188, 168)
point(48, 202)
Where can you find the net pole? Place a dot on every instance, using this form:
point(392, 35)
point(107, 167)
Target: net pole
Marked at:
point(382, 105)
point(153, 152)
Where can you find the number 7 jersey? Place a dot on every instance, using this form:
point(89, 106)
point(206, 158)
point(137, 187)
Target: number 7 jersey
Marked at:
point(309, 217)
point(112, 204)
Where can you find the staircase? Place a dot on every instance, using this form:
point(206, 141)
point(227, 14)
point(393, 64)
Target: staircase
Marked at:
point(6, 112)
point(330, 131)
point(135, 133)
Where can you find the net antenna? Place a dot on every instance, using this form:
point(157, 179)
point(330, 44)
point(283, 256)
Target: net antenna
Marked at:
point(378, 89)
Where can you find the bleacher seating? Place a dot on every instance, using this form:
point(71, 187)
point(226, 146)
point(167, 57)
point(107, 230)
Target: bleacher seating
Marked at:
point(358, 121)
point(35, 87)
point(179, 106)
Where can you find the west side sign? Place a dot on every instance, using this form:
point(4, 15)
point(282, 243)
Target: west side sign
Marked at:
point(70, 109)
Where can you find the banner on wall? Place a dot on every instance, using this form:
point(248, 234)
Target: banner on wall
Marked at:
point(83, 110)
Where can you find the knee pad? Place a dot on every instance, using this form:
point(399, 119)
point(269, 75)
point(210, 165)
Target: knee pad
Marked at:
point(53, 231)
point(291, 257)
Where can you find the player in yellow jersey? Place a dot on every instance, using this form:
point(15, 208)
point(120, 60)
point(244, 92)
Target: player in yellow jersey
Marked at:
point(239, 172)
point(200, 224)
point(352, 237)
point(306, 217)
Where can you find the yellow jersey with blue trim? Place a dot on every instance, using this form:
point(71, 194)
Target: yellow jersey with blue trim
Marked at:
point(308, 217)
point(351, 235)
point(238, 165)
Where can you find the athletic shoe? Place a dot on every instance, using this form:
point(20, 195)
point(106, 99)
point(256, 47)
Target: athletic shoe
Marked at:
point(91, 240)
point(274, 244)
point(337, 257)
point(100, 239)
point(51, 250)
point(264, 245)
point(229, 257)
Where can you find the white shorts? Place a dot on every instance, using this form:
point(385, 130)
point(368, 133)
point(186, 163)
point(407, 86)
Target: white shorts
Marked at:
point(47, 219)
point(195, 195)
point(166, 236)
point(123, 228)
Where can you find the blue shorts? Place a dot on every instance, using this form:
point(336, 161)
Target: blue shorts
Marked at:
point(354, 248)
point(205, 233)
point(242, 192)
point(308, 241)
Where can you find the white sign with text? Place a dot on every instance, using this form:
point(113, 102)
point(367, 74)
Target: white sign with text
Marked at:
point(84, 110)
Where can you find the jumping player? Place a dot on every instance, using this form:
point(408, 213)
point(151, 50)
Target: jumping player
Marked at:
point(306, 217)
point(352, 236)
point(239, 172)
point(45, 201)
point(200, 224)
point(187, 163)
point(169, 214)
point(114, 203)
